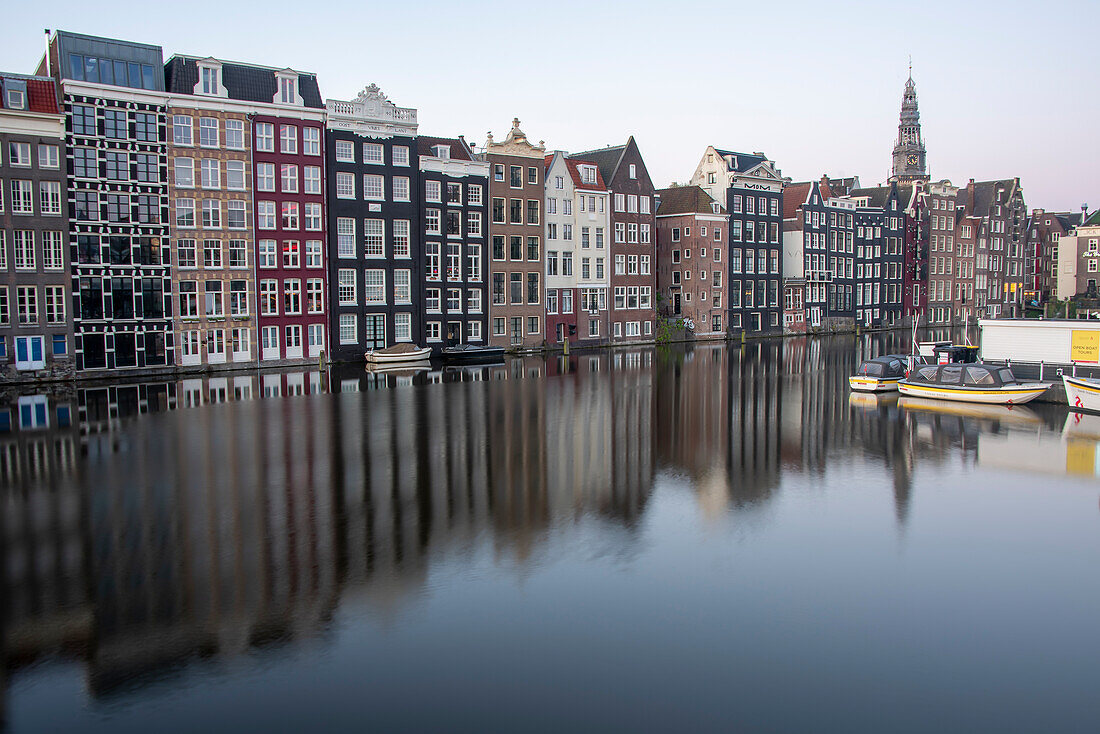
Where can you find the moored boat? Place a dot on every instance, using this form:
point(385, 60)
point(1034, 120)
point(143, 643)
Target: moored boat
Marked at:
point(970, 383)
point(471, 353)
point(880, 374)
point(398, 353)
point(1082, 394)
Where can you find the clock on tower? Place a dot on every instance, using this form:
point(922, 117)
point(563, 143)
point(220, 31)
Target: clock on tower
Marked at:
point(912, 160)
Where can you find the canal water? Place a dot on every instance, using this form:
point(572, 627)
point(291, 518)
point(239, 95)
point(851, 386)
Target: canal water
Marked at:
point(655, 539)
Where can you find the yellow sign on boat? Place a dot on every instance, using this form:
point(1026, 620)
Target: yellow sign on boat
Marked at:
point(1084, 346)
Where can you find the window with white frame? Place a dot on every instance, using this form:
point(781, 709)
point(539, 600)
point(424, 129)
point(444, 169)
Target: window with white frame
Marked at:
point(184, 169)
point(432, 222)
point(208, 132)
point(288, 139)
point(374, 287)
point(315, 295)
point(49, 198)
point(345, 185)
point(374, 235)
point(313, 254)
point(400, 188)
point(373, 153)
point(313, 216)
point(348, 328)
point(234, 175)
point(345, 237)
point(182, 130)
point(374, 187)
point(234, 134)
point(311, 141)
point(288, 175)
point(402, 288)
point(400, 234)
point(433, 191)
point(402, 327)
point(345, 279)
point(473, 195)
point(267, 254)
point(400, 155)
point(312, 180)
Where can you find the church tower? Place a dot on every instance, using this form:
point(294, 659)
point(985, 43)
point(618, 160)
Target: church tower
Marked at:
point(910, 157)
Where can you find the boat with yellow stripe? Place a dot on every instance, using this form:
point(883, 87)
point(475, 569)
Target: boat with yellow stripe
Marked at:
point(970, 383)
point(1082, 394)
point(880, 374)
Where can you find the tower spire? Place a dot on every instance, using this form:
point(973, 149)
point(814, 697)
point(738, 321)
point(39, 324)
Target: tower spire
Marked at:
point(909, 160)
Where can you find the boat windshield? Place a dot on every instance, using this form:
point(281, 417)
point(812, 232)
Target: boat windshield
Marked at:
point(927, 374)
point(979, 376)
point(1007, 377)
point(872, 369)
point(951, 374)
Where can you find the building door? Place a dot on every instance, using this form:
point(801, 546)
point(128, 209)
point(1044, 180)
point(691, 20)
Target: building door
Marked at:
point(756, 322)
point(375, 325)
point(454, 333)
point(676, 303)
point(30, 353)
point(560, 329)
point(516, 323)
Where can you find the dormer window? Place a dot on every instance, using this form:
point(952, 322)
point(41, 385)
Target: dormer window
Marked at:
point(588, 174)
point(714, 206)
point(16, 99)
point(209, 80)
point(286, 88)
point(441, 151)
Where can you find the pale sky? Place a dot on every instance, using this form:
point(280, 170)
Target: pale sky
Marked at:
point(817, 86)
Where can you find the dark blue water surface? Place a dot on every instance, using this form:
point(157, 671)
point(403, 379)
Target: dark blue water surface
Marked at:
point(673, 539)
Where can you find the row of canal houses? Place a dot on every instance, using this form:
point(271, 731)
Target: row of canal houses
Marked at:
point(199, 213)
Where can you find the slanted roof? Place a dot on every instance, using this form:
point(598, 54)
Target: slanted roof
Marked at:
point(1069, 220)
point(41, 92)
point(796, 194)
point(243, 82)
point(686, 200)
point(741, 162)
point(459, 150)
point(876, 196)
point(606, 159)
point(985, 194)
point(574, 171)
point(1093, 220)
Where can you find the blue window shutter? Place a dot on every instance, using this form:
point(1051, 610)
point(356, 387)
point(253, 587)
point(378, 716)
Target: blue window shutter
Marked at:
point(36, 349)
point(21, 349)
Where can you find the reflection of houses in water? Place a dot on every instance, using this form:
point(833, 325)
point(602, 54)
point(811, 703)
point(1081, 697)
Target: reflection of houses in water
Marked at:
point(43, 558)
point(212, 530)
point(693, 414)
point(579, 435)
point(755, 399)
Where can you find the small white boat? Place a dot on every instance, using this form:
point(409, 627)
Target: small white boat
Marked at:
point(881, 374)
point(398, 353)
point(970, 383)
point(1082, 393)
